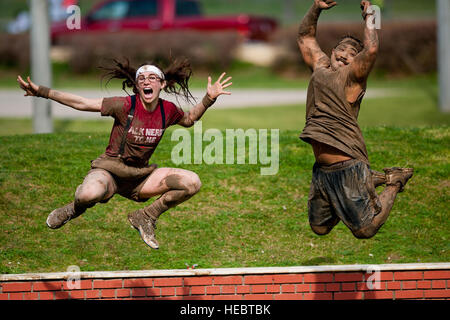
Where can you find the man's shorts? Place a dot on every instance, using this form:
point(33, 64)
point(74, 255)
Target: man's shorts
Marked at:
point(343, 190)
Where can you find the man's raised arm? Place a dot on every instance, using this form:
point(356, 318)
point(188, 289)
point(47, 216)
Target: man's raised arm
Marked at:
point(310, 49)
point(365, 60)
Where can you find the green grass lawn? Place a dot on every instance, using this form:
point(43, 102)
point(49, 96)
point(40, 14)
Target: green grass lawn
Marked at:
point(239, 219)
point(413, 105)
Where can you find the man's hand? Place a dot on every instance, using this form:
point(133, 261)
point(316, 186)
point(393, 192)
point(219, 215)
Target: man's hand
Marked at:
point(365, 5)
point(325, 4)
point(216, 89)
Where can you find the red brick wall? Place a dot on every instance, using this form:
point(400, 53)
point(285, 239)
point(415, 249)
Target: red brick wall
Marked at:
point(331, 285)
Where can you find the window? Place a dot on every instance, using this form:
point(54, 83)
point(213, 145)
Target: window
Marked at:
point(111, 11)
point(187, 8)
point(143, 8)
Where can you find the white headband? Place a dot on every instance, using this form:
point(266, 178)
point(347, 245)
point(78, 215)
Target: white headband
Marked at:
point(150, 68)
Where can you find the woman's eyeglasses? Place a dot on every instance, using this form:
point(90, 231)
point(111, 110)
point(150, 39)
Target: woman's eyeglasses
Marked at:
point(151, 78)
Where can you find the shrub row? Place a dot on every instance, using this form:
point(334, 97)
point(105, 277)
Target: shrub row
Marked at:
point(406, 47)
point(204, 50)
point(15, 51)
point(208, 51)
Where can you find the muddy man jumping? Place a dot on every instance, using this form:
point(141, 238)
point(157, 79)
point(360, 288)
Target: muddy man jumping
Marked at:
point(343, 185)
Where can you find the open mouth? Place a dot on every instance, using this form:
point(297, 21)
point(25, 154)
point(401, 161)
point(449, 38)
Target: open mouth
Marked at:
point(148, 92)
point(342, 61)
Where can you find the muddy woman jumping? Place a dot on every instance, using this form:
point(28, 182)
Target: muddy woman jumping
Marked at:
point(139, 124)
point(343, 186)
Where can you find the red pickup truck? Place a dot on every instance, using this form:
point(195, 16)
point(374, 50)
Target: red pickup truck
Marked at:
point(163, 15)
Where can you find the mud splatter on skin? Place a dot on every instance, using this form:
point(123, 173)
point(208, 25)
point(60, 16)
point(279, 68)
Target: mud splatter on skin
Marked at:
point(174, 181)
point(120, 169)
point(98, 186)
point(181, 189)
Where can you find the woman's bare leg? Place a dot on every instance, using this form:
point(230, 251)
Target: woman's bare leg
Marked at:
point(175, 186)
point(98, 185)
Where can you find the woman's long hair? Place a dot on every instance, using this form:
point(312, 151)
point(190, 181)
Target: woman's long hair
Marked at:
point(177, 75)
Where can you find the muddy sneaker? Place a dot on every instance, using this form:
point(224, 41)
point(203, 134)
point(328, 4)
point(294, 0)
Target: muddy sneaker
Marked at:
point(59, 217)
point(146, 227)
point(396, 175)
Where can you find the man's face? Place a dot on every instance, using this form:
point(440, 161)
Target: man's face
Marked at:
point(343, 54)
point(149, 86)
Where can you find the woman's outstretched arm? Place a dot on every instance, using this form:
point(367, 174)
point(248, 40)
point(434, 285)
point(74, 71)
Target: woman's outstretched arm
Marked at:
point(212, 92)
point(68, 99)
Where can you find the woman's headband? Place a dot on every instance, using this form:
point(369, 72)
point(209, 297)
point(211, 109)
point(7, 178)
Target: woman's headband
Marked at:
point(150, 68)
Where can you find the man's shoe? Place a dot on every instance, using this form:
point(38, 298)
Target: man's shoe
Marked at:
point(400, 176)
point(146, 227)
point(59, 217)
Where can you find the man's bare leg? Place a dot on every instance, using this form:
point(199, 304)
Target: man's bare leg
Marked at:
point(396, 179)
point(323, 230)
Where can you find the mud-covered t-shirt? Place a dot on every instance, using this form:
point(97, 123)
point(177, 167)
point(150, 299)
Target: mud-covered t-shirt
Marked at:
point(146, 129)
point(330, 118)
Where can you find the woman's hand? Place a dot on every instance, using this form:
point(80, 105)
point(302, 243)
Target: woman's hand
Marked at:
point(71, 100)
point(29, 87)
point(217, 89)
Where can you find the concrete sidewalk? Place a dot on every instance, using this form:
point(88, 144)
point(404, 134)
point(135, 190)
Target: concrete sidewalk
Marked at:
point(14, 104)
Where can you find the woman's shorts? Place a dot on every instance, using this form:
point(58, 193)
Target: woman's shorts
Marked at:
point(343, 190)
point(127, 181)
